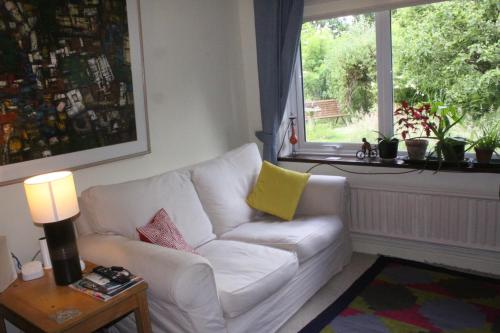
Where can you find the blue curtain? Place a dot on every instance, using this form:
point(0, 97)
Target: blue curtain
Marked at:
point(277, 28)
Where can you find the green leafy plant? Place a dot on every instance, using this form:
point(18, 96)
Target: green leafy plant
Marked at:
point(489, 137)
point(430, 119)
point(434, 120)
point(384, 138)
point(442, 118)
point(387, 146)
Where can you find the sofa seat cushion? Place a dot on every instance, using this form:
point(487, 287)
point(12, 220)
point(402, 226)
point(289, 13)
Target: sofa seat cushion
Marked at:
point(246, 274)
point(305, 235)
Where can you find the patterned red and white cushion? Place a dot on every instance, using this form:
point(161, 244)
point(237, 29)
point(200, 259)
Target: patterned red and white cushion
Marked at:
point(162, 231)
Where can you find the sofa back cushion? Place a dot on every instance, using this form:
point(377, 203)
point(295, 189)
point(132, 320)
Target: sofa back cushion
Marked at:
point(278, 191)
point(81, 221)
point(121, 208)
point(223, 185)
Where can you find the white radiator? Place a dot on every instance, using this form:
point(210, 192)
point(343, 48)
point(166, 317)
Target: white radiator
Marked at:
point(441, 218)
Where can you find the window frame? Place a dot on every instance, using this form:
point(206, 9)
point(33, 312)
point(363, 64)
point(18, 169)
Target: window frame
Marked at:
point(383, 36)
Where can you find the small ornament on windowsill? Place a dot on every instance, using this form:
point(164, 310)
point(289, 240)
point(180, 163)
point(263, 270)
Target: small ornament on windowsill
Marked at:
point(293, 136)
point(366, 150)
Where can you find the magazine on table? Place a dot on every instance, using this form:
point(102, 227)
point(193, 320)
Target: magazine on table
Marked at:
point(103, 288)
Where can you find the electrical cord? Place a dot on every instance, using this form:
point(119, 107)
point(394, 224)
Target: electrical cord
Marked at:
point(17, 260)
point(364, 173)
point(36, 255)
point(284, 137)
point(347, 171)
point(359, 173)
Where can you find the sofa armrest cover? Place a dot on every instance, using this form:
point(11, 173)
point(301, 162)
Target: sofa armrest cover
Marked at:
point(324, 195)
point(180, 278)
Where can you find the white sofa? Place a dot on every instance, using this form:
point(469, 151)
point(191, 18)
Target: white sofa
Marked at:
point(253, 272)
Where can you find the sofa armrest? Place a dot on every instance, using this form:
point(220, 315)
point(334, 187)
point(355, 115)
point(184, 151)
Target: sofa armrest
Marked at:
point(324, 195)
point(183, 279)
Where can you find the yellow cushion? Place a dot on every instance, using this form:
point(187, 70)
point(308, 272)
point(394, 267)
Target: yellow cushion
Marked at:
point(277, 191)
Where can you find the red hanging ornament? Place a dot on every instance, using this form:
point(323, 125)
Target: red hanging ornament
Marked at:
point(293, 136)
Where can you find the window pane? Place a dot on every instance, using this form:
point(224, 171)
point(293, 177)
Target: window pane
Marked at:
point(339, 79)
point(449, 52)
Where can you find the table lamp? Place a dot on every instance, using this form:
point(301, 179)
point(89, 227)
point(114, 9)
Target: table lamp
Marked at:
point(53, 202)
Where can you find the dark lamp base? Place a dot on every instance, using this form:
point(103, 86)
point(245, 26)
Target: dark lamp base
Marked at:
point(63, 251)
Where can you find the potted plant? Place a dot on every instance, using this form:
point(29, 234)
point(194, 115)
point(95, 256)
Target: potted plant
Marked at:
point(487, 143)
point(451, 149)
point(411, 120)
point(438, 120)
point(416, 148)
point(387, 147)
point(441, 119)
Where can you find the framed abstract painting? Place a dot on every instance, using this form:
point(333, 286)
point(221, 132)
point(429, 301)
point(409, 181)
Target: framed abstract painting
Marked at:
point(72, 90)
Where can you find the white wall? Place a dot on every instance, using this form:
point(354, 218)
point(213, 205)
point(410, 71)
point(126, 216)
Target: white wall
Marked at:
point(249, 66)
point(193, 76)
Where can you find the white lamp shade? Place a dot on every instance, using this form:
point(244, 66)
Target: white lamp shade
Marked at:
point(51, 197)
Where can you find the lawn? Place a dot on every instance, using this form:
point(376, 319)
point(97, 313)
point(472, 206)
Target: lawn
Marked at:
point(326, 130)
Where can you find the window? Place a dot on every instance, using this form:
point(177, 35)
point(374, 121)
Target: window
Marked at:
point(354, 70)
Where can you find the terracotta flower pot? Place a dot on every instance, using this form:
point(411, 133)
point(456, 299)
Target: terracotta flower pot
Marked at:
point(483, 155)
point(416, 148)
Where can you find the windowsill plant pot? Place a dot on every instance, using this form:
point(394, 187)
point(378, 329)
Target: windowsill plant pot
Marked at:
point(452, 149)
point(387, 148)
point(412, 121)
point(488, 142)
point(416, 148)
point(483, 155)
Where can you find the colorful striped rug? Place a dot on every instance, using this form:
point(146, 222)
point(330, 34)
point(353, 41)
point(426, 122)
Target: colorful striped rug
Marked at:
point(400, 296)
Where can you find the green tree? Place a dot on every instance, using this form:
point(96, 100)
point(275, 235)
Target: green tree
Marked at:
point(352, 64)
point(336, 26)
point(338, 62)
point(448, 51)
point(316, 44)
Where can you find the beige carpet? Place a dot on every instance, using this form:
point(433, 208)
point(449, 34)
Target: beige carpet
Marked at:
point(329, 293)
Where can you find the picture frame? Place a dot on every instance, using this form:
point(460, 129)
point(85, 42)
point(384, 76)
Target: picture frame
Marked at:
point(136, 146)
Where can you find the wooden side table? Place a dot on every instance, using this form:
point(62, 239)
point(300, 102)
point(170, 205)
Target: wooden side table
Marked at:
point(32, 306)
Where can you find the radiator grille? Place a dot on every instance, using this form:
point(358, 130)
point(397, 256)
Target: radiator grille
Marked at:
point(438, 218)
